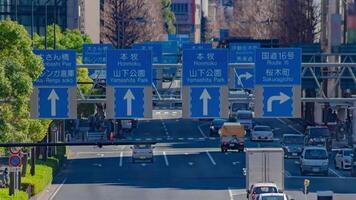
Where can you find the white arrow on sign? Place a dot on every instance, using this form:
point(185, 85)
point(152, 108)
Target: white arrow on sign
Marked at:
point(205, 97)
point(281, 98)
point(53, 97)
point(246, 76)
point(129, 97)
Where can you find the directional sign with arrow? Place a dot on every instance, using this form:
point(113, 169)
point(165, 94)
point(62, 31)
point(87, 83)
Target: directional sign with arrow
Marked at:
point(244, 78)
point(129, 103)
point(205, 101)
point(278, 101)
point(53, 103)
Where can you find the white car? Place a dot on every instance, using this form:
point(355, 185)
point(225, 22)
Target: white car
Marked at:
point(261, 188)
point(343, 159)
point(142, 152)
point(262, 133)
point(314, 160)
point(273, 196)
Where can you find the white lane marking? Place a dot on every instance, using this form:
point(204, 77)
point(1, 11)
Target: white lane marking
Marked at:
point(230, 194)
point(121, 154)
point(158, 112)
point(212, 138)
point(211, 158)
point(294, 129)
point(190, 138)
point(202, 132)
point(165, 158)
point(57, 190)
point(143, 164)
point(180, 138)
point(100, 154)
point(186, 154)
point(336, 173)
point(148, 139)
point(283, 122)
point(201, 138)
point(97, 165)
point(159, 139)
point(287, 173)
point(138, 139)
point(166, 132)
point(166, 113)
point(190, 163)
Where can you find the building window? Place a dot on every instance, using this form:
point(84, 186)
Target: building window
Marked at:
point(180, 8)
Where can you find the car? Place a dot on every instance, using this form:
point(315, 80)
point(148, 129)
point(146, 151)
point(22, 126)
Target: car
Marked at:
point(142, 152)
point(273, 196)
point(262, 133)
point(353, 165)
point(215, 126)
point(292, 145)
point(245, 117)
point(314, 160)
point(318, 136)
point(261, 188)
point(343, 159)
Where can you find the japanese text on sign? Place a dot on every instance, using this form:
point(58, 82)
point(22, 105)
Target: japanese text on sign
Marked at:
point(130, 67)
point(59, 67)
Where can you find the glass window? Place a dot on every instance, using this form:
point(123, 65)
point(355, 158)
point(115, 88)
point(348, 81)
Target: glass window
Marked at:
point(317, 154)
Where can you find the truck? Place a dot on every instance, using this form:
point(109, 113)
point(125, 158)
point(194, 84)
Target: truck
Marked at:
point(232, 136)
point(265, 165)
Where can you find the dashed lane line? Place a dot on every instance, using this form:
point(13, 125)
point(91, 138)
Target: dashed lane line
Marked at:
point(121, 157)
point(336, 173)
point(165, 158)
point(211, 158)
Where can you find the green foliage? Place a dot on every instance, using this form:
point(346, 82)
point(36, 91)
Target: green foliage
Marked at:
point(168, 16)
point(45, 171)
point(16, 76)
point(4, 195)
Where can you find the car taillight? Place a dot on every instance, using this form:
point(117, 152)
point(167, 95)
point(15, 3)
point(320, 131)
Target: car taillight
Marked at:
point(150, 152)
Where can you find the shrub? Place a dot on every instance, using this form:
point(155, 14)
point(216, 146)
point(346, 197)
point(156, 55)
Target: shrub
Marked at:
point(4, 195)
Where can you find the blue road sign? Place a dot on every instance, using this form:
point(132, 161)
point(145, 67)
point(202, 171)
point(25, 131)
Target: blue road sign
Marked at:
point(155, 48)
point(194, 46)
point(53, 103)
point(127, 67)
point(59, 68)
point(243, 52)
point(129, 102)
point(95, 54)
point(244, 78)
point(277, 101)
point(205, 67)
point(205, 102)
point(14, 161)
point(280, 66)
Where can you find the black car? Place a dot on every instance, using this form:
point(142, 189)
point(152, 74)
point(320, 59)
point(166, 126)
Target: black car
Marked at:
point(293, 145)
point(215, 125)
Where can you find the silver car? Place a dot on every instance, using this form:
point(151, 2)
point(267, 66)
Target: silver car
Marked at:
point(262, 133)
point(343, 159)
point(142, 152)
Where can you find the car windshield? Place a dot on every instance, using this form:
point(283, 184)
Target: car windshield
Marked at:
point(273, 197)
point(319, 154)
point(218, 122)
point(266, 189)
point(244, 115)
point(262, 128)
point(319, 132)
point(142, 146)
point(293, 140)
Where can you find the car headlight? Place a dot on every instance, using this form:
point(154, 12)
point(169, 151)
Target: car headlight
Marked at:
point(347, 161)
point(325, 163)
point(211, 127)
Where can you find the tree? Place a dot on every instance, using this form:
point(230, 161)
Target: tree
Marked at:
point(16, 76)
point(168, 16)
point(131, 21)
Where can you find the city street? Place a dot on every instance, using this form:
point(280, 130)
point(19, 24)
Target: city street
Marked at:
point(187, 164)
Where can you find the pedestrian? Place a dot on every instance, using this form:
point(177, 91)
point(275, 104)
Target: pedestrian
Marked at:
point(6, 177)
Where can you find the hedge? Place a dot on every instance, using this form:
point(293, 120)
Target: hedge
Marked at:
point(45, 171)
point(20, 195)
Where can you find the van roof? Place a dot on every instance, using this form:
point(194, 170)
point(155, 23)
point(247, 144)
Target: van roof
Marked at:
point(314, 148)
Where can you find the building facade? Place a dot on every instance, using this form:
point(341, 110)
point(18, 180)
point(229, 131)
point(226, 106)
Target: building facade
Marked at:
point(33, 16)
point(89, 19)
point(189, 15)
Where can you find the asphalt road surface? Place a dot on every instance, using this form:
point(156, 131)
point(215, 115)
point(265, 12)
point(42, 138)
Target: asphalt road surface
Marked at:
point(187, 165)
